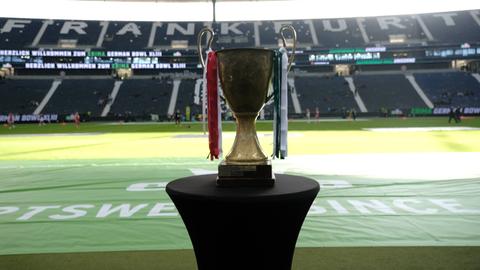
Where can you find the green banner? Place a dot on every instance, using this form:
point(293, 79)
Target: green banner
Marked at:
point(121, 204)
point(421, 111)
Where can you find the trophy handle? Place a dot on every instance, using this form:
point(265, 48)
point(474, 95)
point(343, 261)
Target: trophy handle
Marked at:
point(294, 33)
point(199, 43)
point(292, 56)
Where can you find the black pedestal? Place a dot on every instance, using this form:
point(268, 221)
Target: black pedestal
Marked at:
point(244, 228)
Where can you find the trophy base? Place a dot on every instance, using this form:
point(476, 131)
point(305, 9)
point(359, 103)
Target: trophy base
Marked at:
point(256, 175)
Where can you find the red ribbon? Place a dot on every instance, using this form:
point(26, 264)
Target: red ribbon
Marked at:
point(212, 105)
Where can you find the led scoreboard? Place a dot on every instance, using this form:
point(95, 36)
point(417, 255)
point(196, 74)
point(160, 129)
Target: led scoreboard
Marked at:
point(392, 55)
point(96, 59)
point(178, 60)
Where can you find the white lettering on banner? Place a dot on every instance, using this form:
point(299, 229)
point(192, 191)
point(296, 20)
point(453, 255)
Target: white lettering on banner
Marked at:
point(30, 117)
point(142, 66)
point(384, 22)
point(167, 209)
point(14, 52)
point(14, 23)
point(225, 28)
point(158, 186)
point(8, 209)
point(342, 25)
point(179, 65)
point(154, 54)
point(404, 60)
point(160, 210)
point(190, 30)
point(130, 27)
point(76, 66)
point(36, 210)
point(337, 206)
point(453, 206)
point(471, 110)
point(75, 213)
point(163, 66)
point(103, 66)
point(53, 53)
point(441, 110)
point(79, 53)
point(447, 18)
point(118, 53)
point(124, 210)
point(363, 207)
point(402, 204)
point(40, 65)
point(139, 54)
point(376, 49)
point(74, 26)
point(331, 184)
point(316, 210)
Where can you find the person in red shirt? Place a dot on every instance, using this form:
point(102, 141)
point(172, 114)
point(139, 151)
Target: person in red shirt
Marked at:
point(76, 118)
point(11, 121)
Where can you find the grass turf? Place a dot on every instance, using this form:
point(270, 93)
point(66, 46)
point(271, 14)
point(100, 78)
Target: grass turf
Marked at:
point(378, 258)
point(299, 125)
point(158, 140)
point(145, 140)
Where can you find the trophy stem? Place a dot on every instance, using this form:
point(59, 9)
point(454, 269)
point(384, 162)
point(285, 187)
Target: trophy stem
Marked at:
point(246, 149)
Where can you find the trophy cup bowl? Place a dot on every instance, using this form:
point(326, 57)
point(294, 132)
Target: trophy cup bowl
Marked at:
point(244, 76)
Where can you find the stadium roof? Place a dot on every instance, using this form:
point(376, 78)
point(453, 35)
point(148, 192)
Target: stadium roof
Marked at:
point(226, 10)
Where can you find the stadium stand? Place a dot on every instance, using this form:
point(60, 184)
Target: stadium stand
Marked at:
point(86, 96)
point(452, 27)
point(418, 36)
point(175, 35)
point(18, 37)
point(238, 35)
point(446, 28)
point(142, 97)
point(186, 97)
point(393, 29)
point(22, 96)
point(336, 33)
point(72, 34)
point(329, 94)
point(126, 35)
point(270, 38)
point(387, 91)
point(457, 89)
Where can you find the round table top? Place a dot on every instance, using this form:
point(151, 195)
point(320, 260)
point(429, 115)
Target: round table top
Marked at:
point(203, 187)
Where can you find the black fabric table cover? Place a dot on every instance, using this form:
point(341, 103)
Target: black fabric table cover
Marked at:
point(244, 228)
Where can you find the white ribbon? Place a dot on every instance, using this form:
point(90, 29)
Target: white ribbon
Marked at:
point(284, 106)
point(204, 92)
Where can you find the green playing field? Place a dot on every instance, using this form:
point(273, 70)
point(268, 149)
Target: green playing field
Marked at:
point(99, 189)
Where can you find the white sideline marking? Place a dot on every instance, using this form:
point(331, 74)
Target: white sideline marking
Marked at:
point(408, 166)
point(421, 129)
point(202, 171)
point(53, 134)
point(231, 135)
point(82, 165)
